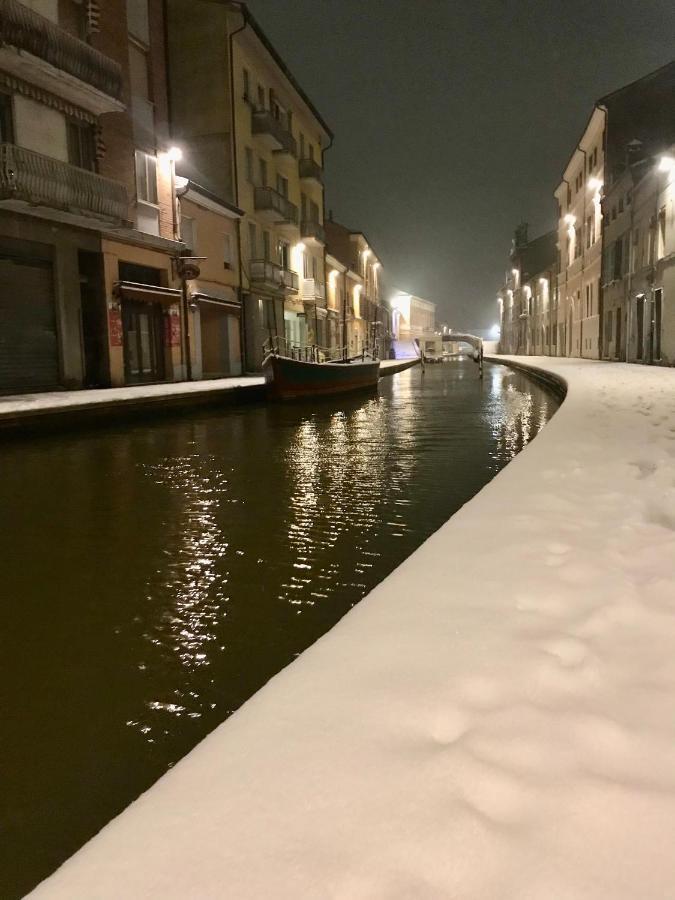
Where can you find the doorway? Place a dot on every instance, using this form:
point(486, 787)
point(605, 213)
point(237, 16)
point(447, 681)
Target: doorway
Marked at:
point(143, 342)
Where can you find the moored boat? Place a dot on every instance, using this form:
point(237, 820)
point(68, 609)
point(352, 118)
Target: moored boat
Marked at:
point(288, 379)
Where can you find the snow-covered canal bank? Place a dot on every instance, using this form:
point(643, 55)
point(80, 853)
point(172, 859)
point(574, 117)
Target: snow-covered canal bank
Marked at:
point(494, 721)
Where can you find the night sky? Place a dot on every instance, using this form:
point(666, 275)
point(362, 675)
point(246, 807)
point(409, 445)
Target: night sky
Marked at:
point(454, 121)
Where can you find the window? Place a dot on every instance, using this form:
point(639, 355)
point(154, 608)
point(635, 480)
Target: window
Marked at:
point(284, 250)
point(618, 260)
point(589, 232)
point(146, 177)
point(227, 251)
point(303, 207)
point(266, 246)
point(249, 164)
point(262, 168)
point(577, 241)
point(247, 85)
point(6, 120)
point(621, 204)
point(252, 242)
point(313, 211)
point(661, 234)
point(81, 144)
point(137, 20)
point(311, 152)
point(302, 146)
point(188, 229)
point(261, 97)
point(73, 18)
point(282, 185)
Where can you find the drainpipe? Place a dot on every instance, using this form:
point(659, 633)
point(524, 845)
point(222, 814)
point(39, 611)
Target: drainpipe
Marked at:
point(568, 338)
point(235, 174)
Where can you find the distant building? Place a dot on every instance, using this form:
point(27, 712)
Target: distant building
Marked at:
point(413, 324)
point(354, 277)
point(527, 300)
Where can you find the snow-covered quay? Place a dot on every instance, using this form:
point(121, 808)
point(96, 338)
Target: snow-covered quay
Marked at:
point(495, 720)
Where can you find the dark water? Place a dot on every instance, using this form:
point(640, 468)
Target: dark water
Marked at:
point(154, 576)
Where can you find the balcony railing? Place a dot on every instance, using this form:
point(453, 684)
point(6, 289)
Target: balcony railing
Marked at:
point(310, 169)
point(272, 274)
point(313, 231)
point(27, 30)
point(313, 290)
point(43, 181)
point(268, 200)
point(264, 123)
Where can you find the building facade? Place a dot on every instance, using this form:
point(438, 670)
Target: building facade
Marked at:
point(355, 289)
point(252, 138)
point(209, 228)
point(87, 217)
point(639, 263)
point(413, 324)
point(528, 299)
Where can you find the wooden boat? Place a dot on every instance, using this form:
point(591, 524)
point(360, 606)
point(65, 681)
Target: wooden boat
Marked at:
point(287, 379)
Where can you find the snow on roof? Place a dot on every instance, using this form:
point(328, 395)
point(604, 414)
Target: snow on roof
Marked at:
point(495, 720)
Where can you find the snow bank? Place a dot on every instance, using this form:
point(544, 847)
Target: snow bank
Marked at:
point(494, 721)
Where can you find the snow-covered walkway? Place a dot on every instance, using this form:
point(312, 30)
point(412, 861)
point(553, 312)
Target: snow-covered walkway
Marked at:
point(496, 720)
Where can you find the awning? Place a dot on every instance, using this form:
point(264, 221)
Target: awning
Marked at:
point(232, 306)
point(147, 293)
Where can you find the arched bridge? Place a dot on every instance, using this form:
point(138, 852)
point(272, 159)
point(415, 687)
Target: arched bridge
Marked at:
point(458, 337)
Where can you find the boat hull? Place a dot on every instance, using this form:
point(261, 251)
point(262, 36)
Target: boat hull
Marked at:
point(289, 379)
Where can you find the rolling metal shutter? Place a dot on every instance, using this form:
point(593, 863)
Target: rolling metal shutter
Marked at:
point(29, 359)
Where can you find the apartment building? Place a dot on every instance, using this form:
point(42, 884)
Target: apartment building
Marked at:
point(209, 228)
point(528, 305)
point(639, 262)
point(631, 123)
point(355, 275)
point(88, 292)
point(252, 138)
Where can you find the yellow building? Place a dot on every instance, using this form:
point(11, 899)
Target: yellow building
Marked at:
point(253, 138)
point(210, 230)
point(355, 273)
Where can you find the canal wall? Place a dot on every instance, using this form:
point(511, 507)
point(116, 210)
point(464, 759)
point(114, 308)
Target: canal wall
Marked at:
point(493, 720)
point(55, 410)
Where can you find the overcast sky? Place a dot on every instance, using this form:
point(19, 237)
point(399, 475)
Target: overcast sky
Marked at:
point(453, 121)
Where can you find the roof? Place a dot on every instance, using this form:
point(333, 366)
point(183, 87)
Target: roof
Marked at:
point(260, 34)
point(538, 255)
point(654, 74)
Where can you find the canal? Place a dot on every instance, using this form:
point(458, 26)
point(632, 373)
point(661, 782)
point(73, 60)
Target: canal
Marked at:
point(154, 576)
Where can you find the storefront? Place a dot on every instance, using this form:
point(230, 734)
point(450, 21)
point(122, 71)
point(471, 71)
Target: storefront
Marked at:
point(216, 336)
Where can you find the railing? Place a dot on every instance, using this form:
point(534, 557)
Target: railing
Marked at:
point(309, 168)
point(265, 272)
point(22, 27)
point(281, 346)
point(313, 290)
point(263, 122)
point(315, 230)
point(265, 198)
point(41, 180)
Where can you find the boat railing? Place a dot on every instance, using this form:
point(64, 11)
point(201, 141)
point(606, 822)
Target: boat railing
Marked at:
point(282, 346)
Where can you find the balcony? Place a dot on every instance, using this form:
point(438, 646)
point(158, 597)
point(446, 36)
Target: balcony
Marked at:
point(38, 51)
point(276, 208)
point(313, 233)
point(313, 291)
point(310, 170)
point(28, 177)
point(272, 133)
point(271, 276)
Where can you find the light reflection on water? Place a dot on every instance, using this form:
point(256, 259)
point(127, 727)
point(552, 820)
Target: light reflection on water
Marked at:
point(185, 562)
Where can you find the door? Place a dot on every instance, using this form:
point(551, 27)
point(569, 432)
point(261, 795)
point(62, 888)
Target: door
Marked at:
point(640, 314)
point(29, 358)
point(94, 324)
point(618, 346)
point(143, 342)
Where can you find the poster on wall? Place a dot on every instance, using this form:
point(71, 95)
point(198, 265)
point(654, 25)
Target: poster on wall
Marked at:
point(172, 330)
point(115, 327)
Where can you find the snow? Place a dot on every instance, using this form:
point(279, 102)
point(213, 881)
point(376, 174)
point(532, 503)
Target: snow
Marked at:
point(53, 401)
point(495, 720)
